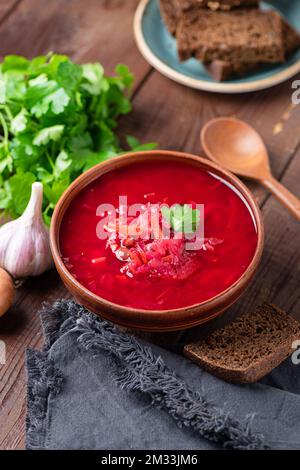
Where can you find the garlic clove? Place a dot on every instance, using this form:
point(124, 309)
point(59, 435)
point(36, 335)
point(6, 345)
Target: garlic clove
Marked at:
point(24, 242)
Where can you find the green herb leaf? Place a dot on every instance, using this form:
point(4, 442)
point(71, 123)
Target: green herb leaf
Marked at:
point(182, 218)
point(15, 63)
point(69, 75)
point(49, 133)
point(93, 75)
point(125, 75)
point(19, 191)
point(18, 124)
point(55, 101)
point(2, 91)
point(24, 153)
point(62, 164)
point(136, 146)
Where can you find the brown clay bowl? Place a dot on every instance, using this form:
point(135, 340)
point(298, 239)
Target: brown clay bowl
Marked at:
point(154, 320)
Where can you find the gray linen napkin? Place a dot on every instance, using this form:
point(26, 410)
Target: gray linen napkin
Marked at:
point(96, 387)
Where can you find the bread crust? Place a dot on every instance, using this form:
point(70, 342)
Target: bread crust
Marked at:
point(222, 70)
point(241, 36)
point(258, 368)
point(171, 10)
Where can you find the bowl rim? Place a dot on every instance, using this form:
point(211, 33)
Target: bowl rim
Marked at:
point(131, 157)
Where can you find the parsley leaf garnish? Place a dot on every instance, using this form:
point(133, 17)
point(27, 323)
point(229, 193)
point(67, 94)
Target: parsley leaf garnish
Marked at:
point(182, 218)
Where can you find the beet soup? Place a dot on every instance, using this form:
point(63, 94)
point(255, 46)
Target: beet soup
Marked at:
point(158, 272)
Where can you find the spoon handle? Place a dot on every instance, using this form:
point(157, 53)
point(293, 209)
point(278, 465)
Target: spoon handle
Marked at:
point(291, 202)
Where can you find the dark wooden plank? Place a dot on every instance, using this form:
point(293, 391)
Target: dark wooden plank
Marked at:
point(21, 329)
point(279, 277)
point(6, 8)
point(89, 30)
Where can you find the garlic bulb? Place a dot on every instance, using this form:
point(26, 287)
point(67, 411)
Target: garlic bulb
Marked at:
point(24, 242)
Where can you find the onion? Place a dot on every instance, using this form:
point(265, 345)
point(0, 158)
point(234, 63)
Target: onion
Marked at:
point(6, 291)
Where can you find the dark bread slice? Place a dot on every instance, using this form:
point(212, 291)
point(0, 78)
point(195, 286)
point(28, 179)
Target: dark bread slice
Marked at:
point(248, 348)
point(170, 13)
point(171, 10)
point(291, 38)
point(222, 70)
point(245, 35)
point(224, 5)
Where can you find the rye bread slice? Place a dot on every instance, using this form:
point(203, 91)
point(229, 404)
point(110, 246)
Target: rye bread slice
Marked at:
point(249, 348)
point(291, 38)
point(245, 35)
point(224, 5)
point(170, 13)
point(171, 10)
point(222, 70)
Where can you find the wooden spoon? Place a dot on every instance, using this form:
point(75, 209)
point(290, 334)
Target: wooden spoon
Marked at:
point(238, 147)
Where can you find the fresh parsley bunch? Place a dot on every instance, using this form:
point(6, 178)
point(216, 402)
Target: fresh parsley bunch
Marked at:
point(57, 119)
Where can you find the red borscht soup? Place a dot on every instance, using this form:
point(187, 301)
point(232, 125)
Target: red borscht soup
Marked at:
point(136, 264)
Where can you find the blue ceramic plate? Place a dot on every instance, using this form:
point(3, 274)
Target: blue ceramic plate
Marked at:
point(159, 49)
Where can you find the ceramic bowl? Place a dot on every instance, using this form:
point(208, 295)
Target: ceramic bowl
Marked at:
point(154, 320)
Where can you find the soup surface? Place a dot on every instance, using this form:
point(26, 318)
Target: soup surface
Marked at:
point(155, 272)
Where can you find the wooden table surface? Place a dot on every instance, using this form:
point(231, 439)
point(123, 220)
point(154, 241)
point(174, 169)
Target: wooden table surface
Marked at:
point(163, 111)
